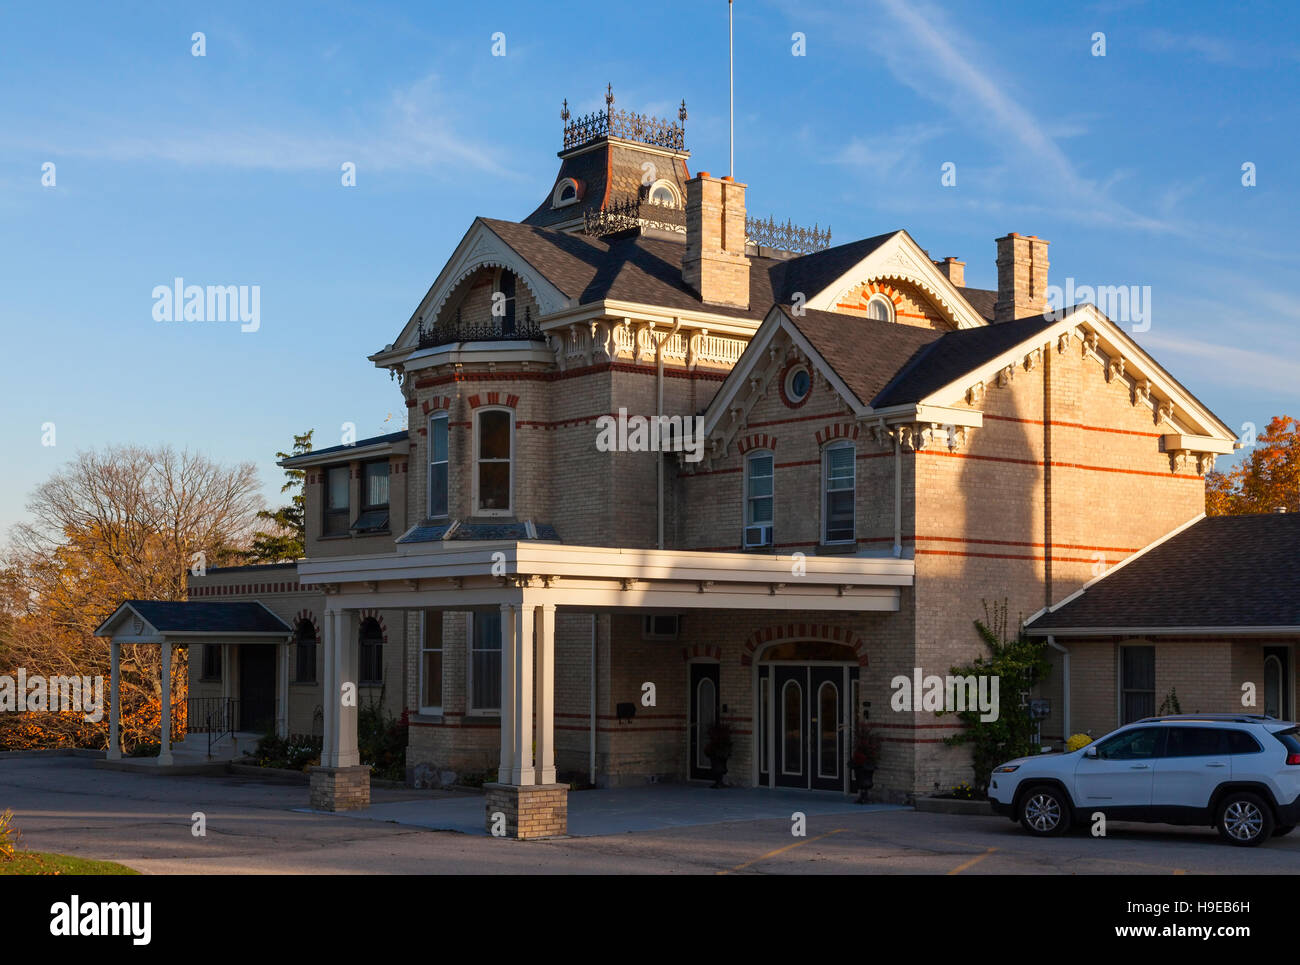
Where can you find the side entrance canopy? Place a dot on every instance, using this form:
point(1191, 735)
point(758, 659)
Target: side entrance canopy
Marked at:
point(170, 623)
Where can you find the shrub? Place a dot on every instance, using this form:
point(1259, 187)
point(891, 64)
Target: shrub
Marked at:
point(9, 836)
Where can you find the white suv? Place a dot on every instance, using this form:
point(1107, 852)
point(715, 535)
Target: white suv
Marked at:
point(1239, 773)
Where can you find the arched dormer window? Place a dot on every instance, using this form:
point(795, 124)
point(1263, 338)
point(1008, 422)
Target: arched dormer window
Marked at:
point(567, 191)
point(880, 308)
point(664, 193)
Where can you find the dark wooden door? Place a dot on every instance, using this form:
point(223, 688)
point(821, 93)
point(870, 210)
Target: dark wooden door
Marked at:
point(704, 711)
point(257, 688)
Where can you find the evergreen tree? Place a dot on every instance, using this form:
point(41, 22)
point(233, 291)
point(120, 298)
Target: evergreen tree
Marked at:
point(288, 541)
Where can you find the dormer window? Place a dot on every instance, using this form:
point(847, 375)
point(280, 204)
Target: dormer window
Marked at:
point(567, 191)
point(663, 193)
point(880, 308)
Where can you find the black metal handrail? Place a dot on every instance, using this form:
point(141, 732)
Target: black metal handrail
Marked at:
point(215, 716)
point(501, 330)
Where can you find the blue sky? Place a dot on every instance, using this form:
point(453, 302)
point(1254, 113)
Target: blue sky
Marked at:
point(225, 170)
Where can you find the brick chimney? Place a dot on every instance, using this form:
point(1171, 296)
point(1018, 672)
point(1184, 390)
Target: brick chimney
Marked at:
point(954, 270)
point(1022, 277)
point(715, 264)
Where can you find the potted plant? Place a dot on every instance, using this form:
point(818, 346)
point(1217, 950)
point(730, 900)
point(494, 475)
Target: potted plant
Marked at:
point(718, 750)
point(865, 756)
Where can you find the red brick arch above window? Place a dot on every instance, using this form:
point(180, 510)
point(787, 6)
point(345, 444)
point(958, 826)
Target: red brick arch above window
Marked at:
point(493, 398)
point(365, 615)
point(757, 441)
point(437, 404)
point(306, 616)
point(837, 430)
point(702, 652)
point(803, 631)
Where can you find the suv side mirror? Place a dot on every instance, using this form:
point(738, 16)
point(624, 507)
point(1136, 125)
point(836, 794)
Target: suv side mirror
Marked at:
point(1090, 751)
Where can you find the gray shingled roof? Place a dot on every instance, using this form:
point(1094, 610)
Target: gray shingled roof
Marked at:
point(1221, 572)
point(359, 444)
point(193, 616)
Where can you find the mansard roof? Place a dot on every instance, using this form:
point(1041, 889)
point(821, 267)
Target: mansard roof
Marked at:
point(1221, 574)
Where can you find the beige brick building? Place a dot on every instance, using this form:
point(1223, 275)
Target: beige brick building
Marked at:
point(857, 451)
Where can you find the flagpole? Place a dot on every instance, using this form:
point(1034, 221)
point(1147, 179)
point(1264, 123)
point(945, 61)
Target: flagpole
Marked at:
point(731, 56)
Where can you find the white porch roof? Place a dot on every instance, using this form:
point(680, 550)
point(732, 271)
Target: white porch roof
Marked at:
point(462, 575)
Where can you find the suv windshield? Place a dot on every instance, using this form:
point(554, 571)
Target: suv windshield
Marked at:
point(1130, 745)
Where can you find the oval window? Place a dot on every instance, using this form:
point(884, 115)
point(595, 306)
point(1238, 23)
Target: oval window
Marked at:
point(798, 384)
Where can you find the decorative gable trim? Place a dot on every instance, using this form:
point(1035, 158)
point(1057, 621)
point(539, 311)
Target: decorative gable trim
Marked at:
point(900, 259)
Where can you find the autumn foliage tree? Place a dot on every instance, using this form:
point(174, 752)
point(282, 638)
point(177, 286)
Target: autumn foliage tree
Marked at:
point(122, 523)
point(1267, 481)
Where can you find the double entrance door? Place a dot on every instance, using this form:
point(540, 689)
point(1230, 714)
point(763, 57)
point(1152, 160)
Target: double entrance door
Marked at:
point(804, 725)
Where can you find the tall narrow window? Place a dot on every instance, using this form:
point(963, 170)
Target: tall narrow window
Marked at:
point(504, 302)
point(337, 485)
point(438, 465)
point(837, 505)
point(492, 468)
point(485, 663)
point(211, 662)
point(431, 662)
point(1137, 681)
point(305, 645)
point(758, 499)
point(372, 653)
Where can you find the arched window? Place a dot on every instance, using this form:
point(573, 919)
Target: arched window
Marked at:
point(371, 669)
point(494, 434)
point(305, 641)
point(663, 193)
point(880, 308)
point(567, 191)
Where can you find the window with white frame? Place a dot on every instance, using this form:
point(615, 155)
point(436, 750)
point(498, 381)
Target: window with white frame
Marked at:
point(880, 308)
point(663, 194)
point(483, 686)
point(759, 478)
point(838, 474)
point(494, 434)
point(430, 662)
point(438, 465)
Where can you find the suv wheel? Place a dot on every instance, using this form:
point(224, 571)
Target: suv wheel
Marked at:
point(1244, 819)
point(1044, 811)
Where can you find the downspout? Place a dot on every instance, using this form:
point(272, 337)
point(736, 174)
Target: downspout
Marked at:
point(659, 419)
point(898, 499)
point(591, 763)
point(1065, 682)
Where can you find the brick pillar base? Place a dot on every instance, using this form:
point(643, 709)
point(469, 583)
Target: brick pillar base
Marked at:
point(535, 811)
point(340, 788)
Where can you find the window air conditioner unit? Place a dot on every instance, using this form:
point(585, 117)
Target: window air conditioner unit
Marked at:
point(758, 536)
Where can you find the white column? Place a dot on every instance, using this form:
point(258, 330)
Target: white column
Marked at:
point(282, 714)
point(546, 695)
point(165, 752)
point(115, 702)
point(523, 773)
point(329, 692)
point(347, 659)
point(505, 770)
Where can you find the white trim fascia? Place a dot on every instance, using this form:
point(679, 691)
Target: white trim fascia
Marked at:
point(500, 352)
point(1179, 440)
point(400, 447)
point(1254, 631)
point(114, 615)
point(1118, 566)
point(927, 412)
point(613, 309)
point(901, 258)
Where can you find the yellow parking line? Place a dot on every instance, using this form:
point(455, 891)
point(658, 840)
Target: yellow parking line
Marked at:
point(773, 854)
point(973, 861)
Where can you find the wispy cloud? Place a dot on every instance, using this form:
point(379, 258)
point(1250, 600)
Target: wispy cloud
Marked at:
point(414, 131)
point(1230, 365)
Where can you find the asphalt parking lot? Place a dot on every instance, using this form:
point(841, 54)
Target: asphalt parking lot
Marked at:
point(66, 805)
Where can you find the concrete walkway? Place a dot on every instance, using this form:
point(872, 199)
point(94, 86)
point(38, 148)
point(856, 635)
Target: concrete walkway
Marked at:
point(654, 807)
